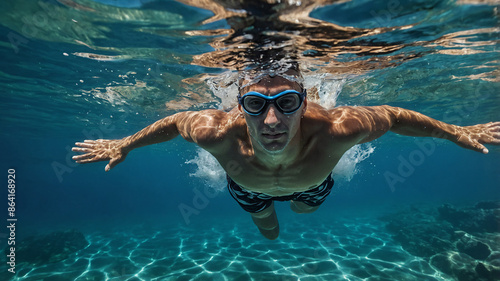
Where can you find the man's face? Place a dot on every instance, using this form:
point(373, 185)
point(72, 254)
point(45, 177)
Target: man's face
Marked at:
point(272, 129)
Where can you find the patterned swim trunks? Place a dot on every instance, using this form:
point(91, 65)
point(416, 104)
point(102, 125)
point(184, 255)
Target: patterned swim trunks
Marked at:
point(254, 202)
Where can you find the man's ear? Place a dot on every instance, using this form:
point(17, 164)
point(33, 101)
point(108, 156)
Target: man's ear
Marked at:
point(240, 109)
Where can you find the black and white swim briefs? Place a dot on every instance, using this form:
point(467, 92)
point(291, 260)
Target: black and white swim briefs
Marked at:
point(254, 202)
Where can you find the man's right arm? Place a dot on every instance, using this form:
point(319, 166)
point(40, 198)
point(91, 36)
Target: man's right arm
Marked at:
point(201, 127)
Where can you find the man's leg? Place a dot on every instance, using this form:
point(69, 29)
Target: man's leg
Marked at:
point(302, 208)
point(267, 222)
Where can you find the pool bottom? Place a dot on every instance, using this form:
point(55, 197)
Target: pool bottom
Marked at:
point(347, 249)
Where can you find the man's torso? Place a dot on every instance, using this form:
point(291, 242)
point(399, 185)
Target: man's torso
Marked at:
point(319, 155)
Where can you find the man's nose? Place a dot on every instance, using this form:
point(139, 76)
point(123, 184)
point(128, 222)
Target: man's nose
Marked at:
point(271, 118)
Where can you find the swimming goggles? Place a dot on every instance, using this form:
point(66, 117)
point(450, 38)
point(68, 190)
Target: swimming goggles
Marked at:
point(287, 102)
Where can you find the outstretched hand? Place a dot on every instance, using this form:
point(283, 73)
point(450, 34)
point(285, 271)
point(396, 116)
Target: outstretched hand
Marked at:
point(100, 150)
point(473, 137)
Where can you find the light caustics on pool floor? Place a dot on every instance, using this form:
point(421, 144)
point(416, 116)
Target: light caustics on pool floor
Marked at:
point(349, 250)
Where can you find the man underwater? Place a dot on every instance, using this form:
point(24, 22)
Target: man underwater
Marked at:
point(283, 146)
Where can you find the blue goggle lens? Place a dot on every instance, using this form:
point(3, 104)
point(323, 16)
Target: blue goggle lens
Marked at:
point(286, 102)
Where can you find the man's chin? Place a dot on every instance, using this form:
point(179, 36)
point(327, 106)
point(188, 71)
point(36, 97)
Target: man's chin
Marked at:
point(274, 151)
point(274, 147)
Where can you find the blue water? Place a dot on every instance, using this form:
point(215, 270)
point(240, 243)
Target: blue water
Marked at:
point(105, 69)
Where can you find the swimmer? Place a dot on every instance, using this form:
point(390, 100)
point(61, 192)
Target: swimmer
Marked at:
point(277, 146)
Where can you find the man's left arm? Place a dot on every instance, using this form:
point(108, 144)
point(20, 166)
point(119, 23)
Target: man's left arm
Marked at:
point(381, 119)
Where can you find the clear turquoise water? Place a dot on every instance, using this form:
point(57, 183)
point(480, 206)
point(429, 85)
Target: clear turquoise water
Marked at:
point(77, 70)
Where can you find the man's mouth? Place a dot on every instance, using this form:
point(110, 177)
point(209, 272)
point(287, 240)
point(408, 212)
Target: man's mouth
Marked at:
point(273, 135)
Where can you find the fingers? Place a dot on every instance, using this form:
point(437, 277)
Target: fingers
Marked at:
point(89, 143)
point(89, 148)
point(87, 158)
point(80, 149)
point(94, 151)
point(494, 133)
point(90, 158)
point(495, 139)
point(112, 163)
point(488, 134)
point(84, 144)
point(493, 126)
point(480, 148)
point(83, 158)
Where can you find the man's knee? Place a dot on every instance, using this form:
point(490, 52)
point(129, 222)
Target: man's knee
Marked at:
point(266, 219)
point(302, 208)
point(271, 234)
point(264, 213)
point(267, 222)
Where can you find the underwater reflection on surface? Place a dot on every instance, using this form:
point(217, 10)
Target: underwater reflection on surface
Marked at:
point(153, 55)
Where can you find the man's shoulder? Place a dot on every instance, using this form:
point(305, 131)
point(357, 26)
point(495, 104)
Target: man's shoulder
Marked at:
point(214, 127)
point(316, 112)
point(216, 117)
point(343, 121)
